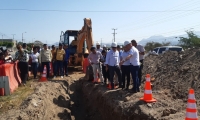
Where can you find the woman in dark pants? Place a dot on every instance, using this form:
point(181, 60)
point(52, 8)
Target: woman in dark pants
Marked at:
point(23, 57)
point(125, 67)
point(34, 58)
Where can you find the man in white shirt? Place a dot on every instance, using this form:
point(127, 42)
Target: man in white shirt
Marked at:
point(94, 59)
point(105, 48)
point(134, 64)
point(112, 63)
point(98, 47)
point(141, 57)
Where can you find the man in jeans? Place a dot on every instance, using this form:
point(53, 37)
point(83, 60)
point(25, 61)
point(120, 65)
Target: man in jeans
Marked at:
point(94, 59)
point(112, 63)
point(60, 55)
point(134, 64)
point(66, 59)
point(45, 59)
point(141, 57)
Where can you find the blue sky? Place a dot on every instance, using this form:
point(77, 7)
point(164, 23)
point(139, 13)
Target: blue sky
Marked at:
point(47, 26)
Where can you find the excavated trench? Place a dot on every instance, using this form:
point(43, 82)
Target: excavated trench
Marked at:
point(94, 102)
point(74, 99)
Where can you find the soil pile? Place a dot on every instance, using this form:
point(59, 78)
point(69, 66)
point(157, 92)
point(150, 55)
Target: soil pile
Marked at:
point(49, 101)
point(175, 72)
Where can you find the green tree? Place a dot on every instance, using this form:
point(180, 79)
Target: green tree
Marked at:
point(191, 41)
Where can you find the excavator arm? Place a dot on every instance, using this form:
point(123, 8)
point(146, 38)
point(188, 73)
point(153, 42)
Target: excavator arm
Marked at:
point(85, 34)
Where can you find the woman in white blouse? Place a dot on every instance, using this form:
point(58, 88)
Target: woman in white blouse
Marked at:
point(34, 58)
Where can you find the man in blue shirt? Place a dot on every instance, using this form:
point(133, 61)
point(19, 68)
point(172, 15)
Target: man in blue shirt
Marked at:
point(112, 63)
point(66, 59)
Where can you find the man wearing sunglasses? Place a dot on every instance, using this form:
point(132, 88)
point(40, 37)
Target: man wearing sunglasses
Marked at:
point(112, 63)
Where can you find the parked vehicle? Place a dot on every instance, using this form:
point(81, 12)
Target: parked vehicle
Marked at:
point(160, 50)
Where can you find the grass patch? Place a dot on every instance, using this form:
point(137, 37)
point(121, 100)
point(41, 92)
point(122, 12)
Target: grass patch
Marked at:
point(16, 98)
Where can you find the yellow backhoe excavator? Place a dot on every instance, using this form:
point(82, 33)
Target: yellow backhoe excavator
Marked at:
point(80, 46)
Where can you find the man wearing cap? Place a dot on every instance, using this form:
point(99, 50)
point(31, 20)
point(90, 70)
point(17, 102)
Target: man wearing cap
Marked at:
point(125, 68)
point(66, 59)
point(141, 57)
point(60, 55)
point(134, 64)
point(98, 47)
point(45, 59)
point(105, 48)
point(112, 63)
point(94, 59)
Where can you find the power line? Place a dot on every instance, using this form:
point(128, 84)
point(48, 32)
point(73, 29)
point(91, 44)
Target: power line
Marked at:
point(157, 15)
point(40, 10)
point(181, 6)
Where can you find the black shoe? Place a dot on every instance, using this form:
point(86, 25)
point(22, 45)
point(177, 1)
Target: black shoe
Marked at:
point(133, 91)
point(120, 86)
point(126, 89)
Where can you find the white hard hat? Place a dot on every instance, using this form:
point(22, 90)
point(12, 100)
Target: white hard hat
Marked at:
point(104, 45)
point(126, 43)
point(97, 43)
point(114, 44)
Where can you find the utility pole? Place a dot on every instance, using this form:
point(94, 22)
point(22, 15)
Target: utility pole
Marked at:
point(114, 33)
point(22, 37)
point(13, 36)
point(2, 38)
point(101, 42)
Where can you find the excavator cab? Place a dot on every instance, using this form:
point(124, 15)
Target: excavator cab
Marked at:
point(80, 46)
point(64, 38)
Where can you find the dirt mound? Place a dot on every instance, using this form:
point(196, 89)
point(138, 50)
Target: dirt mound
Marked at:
point(176, 72)
point(39, 106)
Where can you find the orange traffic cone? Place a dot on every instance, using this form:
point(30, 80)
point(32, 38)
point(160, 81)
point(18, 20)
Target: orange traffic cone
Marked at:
point(109, 86)
point(191, 110)
point(148, 92)
point(43, 78)
point(98, 80)
point(51, 69)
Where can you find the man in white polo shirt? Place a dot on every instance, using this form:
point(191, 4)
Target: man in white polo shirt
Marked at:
point(112, 63)
point(141, 57)
point(134, 64)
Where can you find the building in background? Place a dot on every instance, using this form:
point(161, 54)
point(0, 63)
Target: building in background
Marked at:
point(8, 43)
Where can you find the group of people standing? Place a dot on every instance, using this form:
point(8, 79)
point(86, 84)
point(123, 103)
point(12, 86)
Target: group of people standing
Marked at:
point(120, 62)
point(39, 59)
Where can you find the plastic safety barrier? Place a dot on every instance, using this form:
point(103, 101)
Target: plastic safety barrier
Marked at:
point(11, 70)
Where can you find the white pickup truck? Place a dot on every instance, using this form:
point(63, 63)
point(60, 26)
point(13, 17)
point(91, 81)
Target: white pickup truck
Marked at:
point(160, 50)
